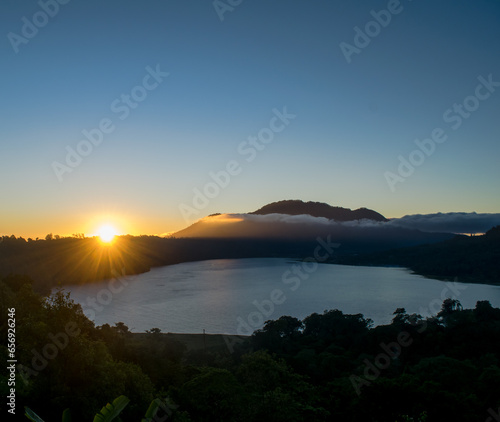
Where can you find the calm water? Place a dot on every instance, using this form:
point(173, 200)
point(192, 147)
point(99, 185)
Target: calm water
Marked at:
point(236, 296)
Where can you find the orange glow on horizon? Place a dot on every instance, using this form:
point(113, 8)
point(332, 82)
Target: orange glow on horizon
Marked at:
point(107, 233)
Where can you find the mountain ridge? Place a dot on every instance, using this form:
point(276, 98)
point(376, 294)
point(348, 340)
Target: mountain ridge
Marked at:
point(318, 209)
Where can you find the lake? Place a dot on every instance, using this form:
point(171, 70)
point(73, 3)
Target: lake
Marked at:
point(236, 296)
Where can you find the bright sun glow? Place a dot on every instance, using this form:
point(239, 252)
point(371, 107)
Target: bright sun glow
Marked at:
point(107, 233)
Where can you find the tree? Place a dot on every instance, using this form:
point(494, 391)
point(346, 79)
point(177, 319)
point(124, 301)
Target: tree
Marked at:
point(277, 335)
point(485, 312)
point(121, 328)
point(212, 395)
point(448, 307)
point(400, 316)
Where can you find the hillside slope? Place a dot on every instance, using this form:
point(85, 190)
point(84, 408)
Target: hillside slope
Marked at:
point(469, 259)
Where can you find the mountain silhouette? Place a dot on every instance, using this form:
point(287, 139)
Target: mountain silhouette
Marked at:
point(318, 209)
point(358, 231)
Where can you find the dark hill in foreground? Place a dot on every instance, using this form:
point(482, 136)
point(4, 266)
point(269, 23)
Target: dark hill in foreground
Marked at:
point(72, 261)
point(469, 259)
point(319, 209)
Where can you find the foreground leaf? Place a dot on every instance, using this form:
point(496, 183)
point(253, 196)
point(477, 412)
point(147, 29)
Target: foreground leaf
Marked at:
point(112, 410)
point(155, 405)
point(32, 415)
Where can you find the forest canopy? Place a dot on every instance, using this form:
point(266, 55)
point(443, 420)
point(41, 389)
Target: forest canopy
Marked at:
point(328, 366)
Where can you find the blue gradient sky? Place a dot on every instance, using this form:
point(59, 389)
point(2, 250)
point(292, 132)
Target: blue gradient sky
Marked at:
point(352, 121)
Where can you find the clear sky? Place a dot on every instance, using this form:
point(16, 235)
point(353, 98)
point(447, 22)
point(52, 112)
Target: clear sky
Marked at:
point(355, 103)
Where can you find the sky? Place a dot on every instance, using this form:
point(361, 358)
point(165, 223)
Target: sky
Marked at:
point(150, 115)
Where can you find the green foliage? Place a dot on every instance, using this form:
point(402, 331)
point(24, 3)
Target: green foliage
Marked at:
point(66, 417)
point(421, 418)
point(112, 410)
point(212, 395)
point(58, 370)
point(152, 411)
point(109, 412)
point(32, 415)
point(290, 370)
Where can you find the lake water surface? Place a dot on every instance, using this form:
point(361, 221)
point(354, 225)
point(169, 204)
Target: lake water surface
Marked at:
point(236, 296)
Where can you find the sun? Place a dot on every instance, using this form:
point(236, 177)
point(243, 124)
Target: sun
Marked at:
point(106, 233)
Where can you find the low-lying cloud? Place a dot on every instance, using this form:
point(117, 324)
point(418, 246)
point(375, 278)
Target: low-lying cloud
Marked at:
point(453, 222)
point(304, 219)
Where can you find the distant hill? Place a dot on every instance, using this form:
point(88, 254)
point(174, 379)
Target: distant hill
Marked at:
point(319, 209)
point(473, 259)
point(354, 237)
point(358, 231)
